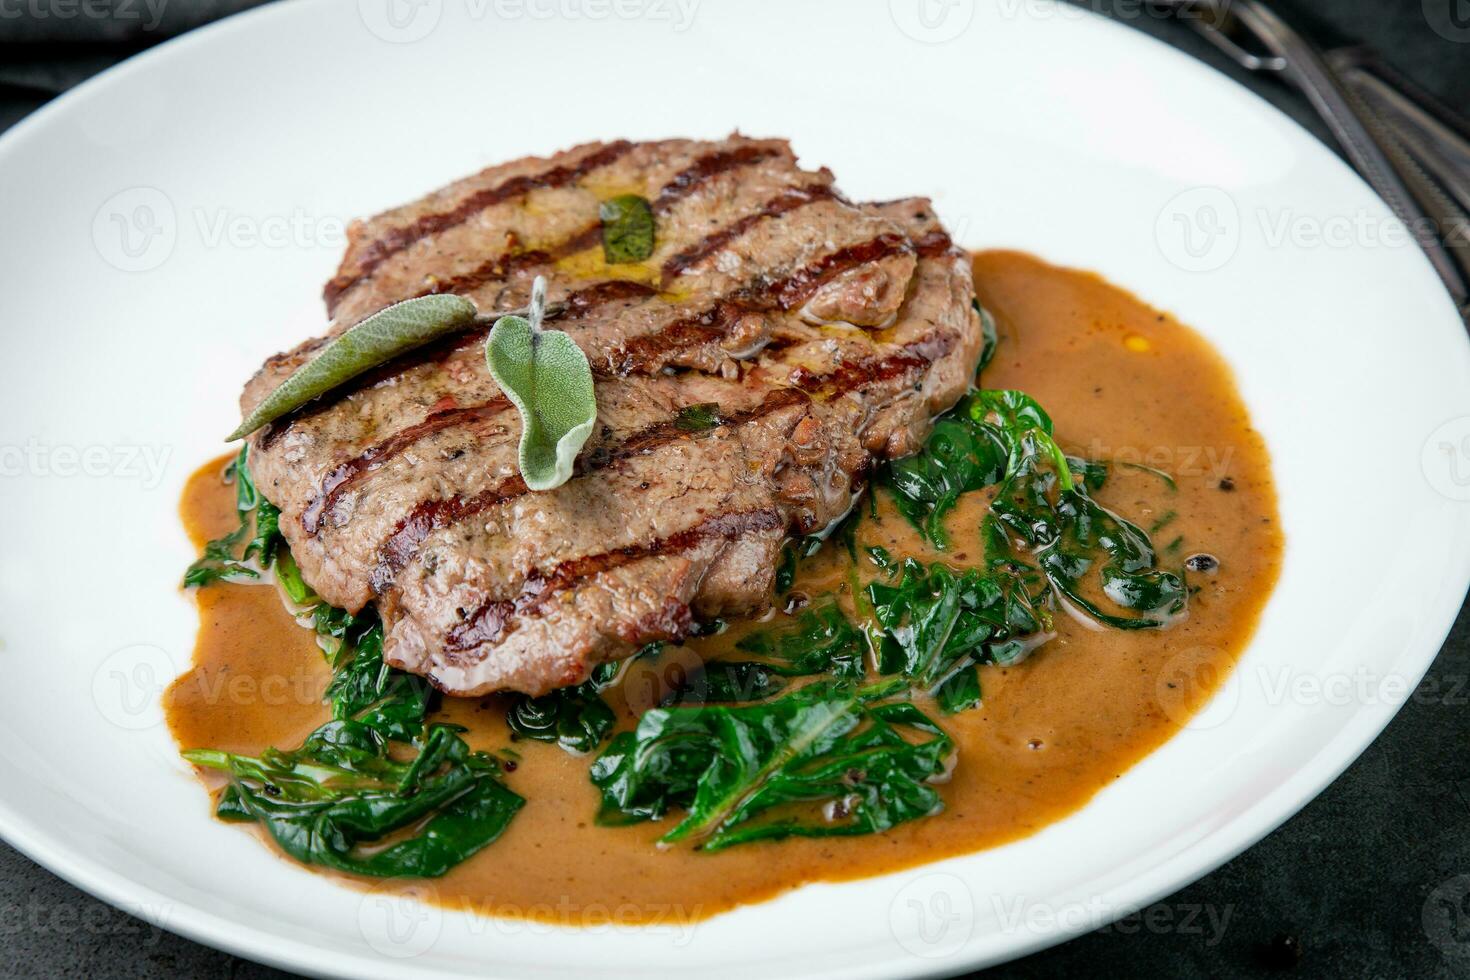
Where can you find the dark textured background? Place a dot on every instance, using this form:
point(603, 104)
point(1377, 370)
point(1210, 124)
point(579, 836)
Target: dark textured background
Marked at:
point(1365, 882)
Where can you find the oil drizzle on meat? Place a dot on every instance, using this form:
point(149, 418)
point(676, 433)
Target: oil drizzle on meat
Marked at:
point(398, 239)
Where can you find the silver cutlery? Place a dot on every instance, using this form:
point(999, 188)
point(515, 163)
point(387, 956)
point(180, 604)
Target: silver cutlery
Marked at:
point(1412, 150)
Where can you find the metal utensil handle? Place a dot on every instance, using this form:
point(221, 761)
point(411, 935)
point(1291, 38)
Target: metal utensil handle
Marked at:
point(1429, 132)
point(1419, 164)
point(1352, 126)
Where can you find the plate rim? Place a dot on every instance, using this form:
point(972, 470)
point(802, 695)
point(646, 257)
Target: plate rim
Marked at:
point(1262, 817)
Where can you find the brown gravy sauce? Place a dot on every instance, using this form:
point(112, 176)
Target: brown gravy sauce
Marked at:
point(1122, 382)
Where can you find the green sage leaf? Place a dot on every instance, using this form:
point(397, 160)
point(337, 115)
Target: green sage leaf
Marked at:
point(698, 418)
point(627, 229)
point(395, 330)
point(547, 377)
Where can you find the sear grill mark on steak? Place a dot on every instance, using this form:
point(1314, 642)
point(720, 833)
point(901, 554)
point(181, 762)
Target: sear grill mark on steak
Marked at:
point(827, 334)
point(650, 353)
point(398, 239)
point(653, 352)
point(684, 183)
point(510, 263)
point(434, 515)
point(345, 476)
point(783, 203)
point(583, 300)
point(576, 305)
point(850, 376)
point(491, 621)
point(691, 178)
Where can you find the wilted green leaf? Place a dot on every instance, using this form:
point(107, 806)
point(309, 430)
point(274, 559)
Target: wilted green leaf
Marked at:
point(627, 229)
point(380, 338)
point(826, 760)
point(546, 375)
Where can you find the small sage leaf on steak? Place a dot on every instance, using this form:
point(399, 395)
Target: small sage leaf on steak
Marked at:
point(627, 229)
point(548, 379)
point(698, 418)
point(381, 337)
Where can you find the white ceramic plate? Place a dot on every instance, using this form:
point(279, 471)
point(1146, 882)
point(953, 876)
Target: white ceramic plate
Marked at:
point(166, 225)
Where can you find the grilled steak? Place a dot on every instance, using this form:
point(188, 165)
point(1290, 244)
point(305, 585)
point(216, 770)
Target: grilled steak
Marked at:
point(824, 334)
